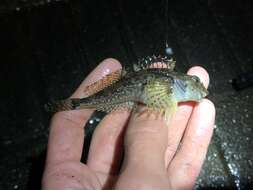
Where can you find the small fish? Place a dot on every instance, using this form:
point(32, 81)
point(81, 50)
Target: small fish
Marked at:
point(152, 82)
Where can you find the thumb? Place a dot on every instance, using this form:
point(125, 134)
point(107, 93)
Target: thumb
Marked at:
point(145, 144)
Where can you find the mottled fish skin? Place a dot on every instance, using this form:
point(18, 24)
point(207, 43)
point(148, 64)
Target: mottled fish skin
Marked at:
point(158, 88)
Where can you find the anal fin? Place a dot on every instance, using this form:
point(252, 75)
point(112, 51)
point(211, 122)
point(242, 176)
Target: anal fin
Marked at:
point(125, 106)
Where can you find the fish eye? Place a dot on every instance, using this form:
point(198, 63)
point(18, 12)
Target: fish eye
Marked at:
point(195, 78)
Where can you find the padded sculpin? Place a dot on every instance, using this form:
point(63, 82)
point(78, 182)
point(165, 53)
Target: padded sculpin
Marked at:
point(152, 82)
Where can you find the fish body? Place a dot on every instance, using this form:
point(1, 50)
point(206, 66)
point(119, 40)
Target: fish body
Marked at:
point(159, 88)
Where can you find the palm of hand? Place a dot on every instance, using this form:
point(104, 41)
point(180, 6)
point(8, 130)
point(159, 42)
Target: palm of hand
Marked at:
point(152, 159)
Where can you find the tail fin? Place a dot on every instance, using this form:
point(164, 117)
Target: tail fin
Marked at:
point(63, 105)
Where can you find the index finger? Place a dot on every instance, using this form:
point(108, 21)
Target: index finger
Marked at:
point(181, 118)
point(67, 128)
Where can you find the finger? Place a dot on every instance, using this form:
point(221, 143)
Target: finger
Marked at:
point(201, 73)
point(145, 144)
point(180, 120)
point(187, 163)
point(106, 147)
point(67, 133)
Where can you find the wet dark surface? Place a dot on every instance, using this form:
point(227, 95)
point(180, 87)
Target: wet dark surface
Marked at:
point(47, 49)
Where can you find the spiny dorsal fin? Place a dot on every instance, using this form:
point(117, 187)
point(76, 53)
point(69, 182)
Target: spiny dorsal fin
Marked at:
point(103, 83)
point(155, 62)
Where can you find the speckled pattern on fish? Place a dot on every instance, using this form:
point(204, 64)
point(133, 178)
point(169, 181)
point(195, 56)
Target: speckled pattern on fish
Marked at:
point(152, 82)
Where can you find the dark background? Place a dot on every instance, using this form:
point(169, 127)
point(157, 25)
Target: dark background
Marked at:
point(48, 47)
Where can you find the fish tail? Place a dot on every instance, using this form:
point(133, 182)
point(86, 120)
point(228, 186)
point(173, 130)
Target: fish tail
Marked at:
point(63, 105)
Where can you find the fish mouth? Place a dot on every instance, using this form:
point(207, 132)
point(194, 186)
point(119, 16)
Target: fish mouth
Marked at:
point(205, 92)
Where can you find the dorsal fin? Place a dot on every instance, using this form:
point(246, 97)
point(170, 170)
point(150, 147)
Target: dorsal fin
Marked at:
point(154, 62)
point(101, 84)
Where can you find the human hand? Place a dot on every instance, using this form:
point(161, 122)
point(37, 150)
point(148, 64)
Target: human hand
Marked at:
point(153, 158)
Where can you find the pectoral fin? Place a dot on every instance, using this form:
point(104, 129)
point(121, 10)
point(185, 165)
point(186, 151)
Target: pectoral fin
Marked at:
point(159, 97)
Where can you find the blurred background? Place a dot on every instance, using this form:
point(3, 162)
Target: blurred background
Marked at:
point(47, 47)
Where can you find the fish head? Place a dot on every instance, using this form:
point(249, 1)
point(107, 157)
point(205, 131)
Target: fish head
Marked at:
point(189, 88)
